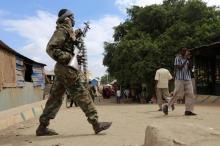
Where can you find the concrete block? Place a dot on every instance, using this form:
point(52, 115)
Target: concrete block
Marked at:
point(27, 115)
point(37, 111)
point(180, 134)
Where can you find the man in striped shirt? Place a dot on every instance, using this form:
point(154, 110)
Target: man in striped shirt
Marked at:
point(183, 83)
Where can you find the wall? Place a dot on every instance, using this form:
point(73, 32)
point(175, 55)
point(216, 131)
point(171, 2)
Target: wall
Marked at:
point(7, 69)
point(12, 97)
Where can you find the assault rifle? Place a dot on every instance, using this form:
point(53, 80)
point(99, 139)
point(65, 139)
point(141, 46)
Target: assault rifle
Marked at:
point(80, 50)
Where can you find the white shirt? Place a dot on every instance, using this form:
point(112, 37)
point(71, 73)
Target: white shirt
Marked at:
point(126, 92)
point(162, 76)
point(118, 93)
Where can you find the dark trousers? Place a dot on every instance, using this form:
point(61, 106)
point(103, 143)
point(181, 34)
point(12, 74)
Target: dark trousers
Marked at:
point(118, 99)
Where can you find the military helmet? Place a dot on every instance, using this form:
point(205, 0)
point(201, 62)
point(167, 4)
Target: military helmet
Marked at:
point(64, 13)
point(61, 12)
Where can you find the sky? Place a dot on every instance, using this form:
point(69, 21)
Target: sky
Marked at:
point(27, 25)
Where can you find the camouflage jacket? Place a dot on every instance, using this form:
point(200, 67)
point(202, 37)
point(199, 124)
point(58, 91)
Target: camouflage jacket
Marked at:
point(61, 45)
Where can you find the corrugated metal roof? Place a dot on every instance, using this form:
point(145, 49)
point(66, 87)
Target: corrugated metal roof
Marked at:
point(212, 45)
point(210, 50)
point(6, 47)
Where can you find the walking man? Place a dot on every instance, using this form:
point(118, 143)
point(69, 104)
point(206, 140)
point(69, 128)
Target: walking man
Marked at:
point(118, 95)
point(126, 93)
point(183, 83)
point(60, 48)
point(92, 91)
point(162, 78)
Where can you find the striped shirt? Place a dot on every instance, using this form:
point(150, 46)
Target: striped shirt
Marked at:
point(184, 73)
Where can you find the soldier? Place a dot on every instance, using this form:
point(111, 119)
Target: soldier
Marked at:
point(60, 48)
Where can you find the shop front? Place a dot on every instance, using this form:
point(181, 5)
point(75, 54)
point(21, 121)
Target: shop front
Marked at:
point(207, 68)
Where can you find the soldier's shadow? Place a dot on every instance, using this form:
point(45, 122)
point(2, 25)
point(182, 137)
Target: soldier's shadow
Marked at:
point(155, 111)
point(24, 139)
point(168, 116)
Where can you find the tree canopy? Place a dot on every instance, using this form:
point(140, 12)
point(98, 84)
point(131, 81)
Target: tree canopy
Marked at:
point(106, 79)
point(154, 34)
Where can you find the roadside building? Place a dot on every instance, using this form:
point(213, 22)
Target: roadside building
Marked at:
point(21, 79)
point(207, 68)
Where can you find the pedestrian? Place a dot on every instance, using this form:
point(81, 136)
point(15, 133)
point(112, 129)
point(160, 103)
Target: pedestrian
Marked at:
point(183, 83)
point(118, 96)
point(133, 94)
point(126, 93)
point(104, 93)
point(60, 48)
point(92, 91)
point(162, 78)
point(70, 100)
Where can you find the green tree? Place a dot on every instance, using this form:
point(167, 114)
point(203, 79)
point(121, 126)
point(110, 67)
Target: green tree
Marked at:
point(106, 79)
point(154, 34)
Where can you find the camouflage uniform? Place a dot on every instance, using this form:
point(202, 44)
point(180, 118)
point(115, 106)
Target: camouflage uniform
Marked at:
point(92, 91)
point(60, 48)
point(67, 79)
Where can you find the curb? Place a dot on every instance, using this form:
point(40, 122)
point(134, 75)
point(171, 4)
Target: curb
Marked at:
point(20, 114)
point(207, 99)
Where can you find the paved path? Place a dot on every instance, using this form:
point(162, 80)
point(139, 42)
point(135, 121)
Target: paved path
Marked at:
point(128, 129)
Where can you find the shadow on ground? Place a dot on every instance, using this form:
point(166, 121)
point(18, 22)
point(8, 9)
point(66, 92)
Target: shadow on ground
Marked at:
point(14, 139)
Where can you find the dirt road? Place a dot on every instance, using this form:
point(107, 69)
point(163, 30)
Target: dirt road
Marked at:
point(128, 129)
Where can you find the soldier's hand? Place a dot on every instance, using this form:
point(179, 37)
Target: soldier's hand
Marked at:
point(80, 59)
point(78, 33)
point(77, 42)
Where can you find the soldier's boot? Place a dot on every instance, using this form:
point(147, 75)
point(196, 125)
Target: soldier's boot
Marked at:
point(100, 126)
point(42, 130)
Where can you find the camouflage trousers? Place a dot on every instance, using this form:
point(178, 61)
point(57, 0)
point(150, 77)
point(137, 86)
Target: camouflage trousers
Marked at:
point(69, 82)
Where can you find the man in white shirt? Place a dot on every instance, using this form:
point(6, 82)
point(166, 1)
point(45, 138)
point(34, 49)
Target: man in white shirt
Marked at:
point(126, 93)
point(162, 78)
point(118, 92)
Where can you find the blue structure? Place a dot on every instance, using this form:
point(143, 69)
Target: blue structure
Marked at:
point(94, 82)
